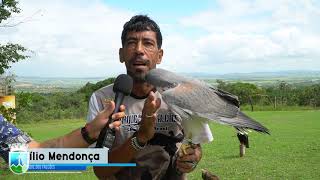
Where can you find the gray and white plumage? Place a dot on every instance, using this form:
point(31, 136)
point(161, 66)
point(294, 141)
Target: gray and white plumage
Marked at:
point(194, 99)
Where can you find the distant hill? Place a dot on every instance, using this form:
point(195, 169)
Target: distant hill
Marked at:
point(263, 78)
point(45, 84)
point(56, 80)
point(256, 75)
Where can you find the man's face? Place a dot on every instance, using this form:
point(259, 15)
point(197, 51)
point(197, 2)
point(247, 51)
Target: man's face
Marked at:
point(140, 53)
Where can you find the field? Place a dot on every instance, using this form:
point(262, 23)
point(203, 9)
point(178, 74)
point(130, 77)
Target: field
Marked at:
point(292, 151)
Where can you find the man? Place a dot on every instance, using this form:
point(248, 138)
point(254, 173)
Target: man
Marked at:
point(150, 134)
point(10, 134)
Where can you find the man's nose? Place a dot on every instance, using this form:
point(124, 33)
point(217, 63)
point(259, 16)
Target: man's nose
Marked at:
point(139, 48)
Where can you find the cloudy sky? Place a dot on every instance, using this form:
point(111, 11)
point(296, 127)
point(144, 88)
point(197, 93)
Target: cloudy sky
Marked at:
point(81, 38)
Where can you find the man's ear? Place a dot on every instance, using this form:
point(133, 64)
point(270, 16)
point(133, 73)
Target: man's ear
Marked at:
point(121, 55)
point(160, 54)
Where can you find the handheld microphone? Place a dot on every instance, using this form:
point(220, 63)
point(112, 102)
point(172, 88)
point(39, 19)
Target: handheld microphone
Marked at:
point(122, 87)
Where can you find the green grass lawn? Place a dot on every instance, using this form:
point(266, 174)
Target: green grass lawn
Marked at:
point(291, 152)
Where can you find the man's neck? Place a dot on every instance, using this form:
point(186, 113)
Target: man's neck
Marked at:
point(141, 89)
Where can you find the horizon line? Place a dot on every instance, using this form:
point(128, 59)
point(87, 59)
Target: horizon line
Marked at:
point(188, 73)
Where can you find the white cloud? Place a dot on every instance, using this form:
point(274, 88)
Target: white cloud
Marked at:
point(81, 38)
point(258, 36)
point(69, 38)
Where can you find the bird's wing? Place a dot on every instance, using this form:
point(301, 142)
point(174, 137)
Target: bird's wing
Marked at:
point(197, 99)
point(200, 99)
point(228, 96)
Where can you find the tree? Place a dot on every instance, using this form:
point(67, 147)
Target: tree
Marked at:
point(9, 53)
point(7, 8)
point(284, 90)
point(89, 88)
point(222, 84)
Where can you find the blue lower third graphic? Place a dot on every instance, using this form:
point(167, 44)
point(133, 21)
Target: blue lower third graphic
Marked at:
point(53, 167)
point(74, 167)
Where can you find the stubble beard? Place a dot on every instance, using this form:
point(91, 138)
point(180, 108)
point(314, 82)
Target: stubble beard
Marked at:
point(139, 77)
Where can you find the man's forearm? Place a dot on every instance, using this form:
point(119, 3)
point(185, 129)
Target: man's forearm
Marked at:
point(122, 154)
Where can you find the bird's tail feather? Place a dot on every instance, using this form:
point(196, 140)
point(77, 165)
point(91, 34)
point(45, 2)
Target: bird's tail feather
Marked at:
point(241, 122)
point(245, 122)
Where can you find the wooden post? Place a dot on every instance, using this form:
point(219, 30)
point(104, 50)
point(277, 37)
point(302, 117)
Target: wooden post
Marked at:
point(242, 149)
point(250, 100)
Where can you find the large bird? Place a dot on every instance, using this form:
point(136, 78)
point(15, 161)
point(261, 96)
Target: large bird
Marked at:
point(199, 102)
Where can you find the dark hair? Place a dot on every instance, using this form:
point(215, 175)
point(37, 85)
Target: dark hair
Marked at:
point(141, 23)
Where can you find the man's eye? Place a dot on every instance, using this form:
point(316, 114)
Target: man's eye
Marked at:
point(131, 42)
point(148, 44)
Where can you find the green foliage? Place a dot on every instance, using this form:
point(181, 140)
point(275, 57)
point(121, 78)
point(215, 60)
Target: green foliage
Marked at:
point(281, 96)
point(89, 88)
point(258, 107)
point(244, 91)
point(60, 105)
point(222, 84)
point(7, 8)
point(9, 53)
point(310, 95)
point(38, 107)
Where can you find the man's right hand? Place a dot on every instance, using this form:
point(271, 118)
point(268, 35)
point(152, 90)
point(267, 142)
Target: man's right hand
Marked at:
point(148, 120)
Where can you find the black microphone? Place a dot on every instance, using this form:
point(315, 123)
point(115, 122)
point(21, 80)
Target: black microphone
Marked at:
point(122, 87)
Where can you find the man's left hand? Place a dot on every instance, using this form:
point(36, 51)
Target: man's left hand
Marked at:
point(99, 122)
point(187, 162)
